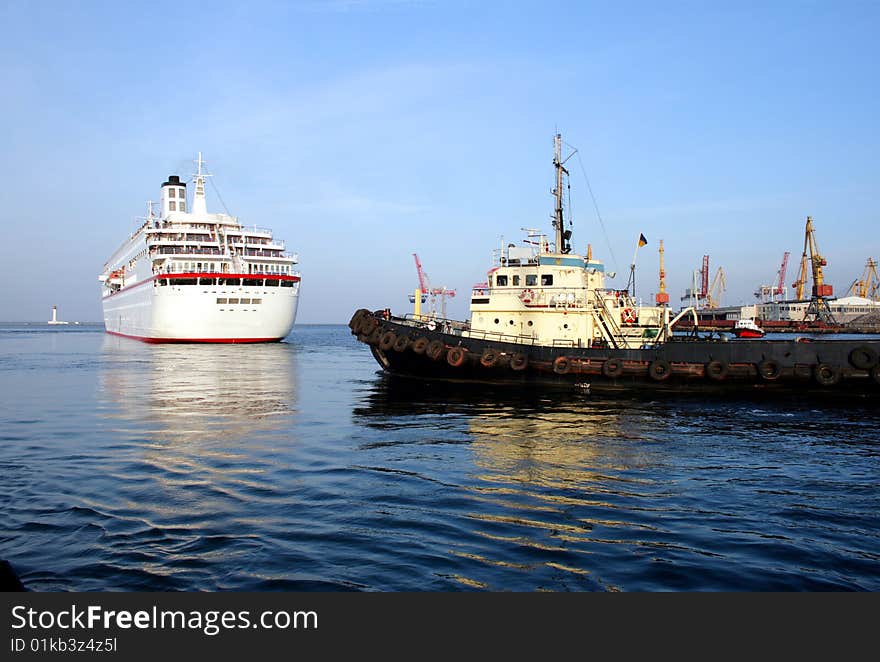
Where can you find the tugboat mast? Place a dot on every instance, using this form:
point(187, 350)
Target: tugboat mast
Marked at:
point(562, 237)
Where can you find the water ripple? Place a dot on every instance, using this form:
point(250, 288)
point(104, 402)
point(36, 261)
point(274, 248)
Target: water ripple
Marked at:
point(297, 466)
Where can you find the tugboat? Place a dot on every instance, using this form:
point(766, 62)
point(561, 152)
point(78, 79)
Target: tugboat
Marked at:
point(546, 317)
point(747, 328)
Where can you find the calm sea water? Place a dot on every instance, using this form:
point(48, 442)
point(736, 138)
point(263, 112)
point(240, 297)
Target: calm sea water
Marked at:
point(297, 466)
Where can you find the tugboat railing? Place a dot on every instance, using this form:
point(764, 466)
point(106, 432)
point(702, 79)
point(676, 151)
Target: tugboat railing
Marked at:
point(458, 328)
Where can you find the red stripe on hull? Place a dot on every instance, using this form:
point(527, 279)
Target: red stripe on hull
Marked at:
point(227, 341)
point(199, 274)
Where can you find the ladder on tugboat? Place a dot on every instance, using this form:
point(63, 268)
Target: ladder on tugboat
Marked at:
point(603, 319)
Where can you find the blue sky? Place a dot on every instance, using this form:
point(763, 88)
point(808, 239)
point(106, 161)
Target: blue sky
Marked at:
point(364, 131)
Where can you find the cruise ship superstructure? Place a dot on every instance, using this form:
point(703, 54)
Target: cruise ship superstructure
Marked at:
point(187, 275)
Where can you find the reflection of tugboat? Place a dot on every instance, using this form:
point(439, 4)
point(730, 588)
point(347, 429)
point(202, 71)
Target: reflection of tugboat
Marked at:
point(546, 316)
point(747, 328)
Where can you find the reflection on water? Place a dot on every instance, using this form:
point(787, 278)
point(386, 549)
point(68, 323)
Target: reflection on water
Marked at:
point(583, 493)
point(300, 466)
point(193, 393)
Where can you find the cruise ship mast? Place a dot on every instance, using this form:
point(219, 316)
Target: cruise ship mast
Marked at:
point(200, 206)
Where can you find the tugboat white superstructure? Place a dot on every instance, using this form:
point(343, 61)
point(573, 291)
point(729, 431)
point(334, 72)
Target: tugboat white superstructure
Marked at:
point(189, 276)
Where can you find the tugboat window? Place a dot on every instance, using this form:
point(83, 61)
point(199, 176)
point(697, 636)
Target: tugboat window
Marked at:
point(516, 280)
point(531, 280)
point(547, 279)
point(496, 320)
point(501, 280)
point(531, 323)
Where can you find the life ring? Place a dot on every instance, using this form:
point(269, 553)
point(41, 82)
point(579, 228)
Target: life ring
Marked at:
point(401, 344)
point(863, 358)
point(456, 356)
point(527, 295)
point(612, 368)
point(628, 316)
point(826, 375)
point(519, 361)
point(420, 345)
point(659, 370)
point(432, 325)
point(769, 370)
point(717, 370)
point(561, 365)
point(489, 357)
point(387, 340)
point(435, 350)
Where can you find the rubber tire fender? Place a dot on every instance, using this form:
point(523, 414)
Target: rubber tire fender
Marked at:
point(387, 340)
point(367, 324)
point(769, 370)
point(717, 370)
point(519, 361)
point(659, 370)
point(612, 368)
point(561, 365)
point(420, 345)
point(826, 375)
point(456, 356)
point(436, 350)
point(863, 358)
point(356, 319)
point(401, 344)
point(489, 358)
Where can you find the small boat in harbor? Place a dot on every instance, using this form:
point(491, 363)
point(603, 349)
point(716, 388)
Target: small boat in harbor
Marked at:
point(747, 328)
point(545, 316)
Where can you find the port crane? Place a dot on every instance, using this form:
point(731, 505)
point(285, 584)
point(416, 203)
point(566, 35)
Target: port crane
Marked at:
point(662, 297)
point(818, 308)
point(701, 294)
point(868, 286)
point(718, 287)
point(778, 292)
point(426, 292)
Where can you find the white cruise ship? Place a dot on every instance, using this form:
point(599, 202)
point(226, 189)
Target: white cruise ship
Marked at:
point(190, 276)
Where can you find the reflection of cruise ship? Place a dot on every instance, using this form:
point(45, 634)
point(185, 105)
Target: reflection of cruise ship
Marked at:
point(191, 276)
point(195, 396)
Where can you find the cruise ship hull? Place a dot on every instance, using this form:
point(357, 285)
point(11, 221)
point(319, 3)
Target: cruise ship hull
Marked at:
point(156, 313)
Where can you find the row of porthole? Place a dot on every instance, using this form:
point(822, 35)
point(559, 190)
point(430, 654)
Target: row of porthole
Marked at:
point(529, 323)
point(222, 300)
point(498, 321)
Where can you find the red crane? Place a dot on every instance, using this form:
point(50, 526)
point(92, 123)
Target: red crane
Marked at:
point(780, 285)
point(434, 292)
point(423, 281)
point(774, 292)
point(704, 283)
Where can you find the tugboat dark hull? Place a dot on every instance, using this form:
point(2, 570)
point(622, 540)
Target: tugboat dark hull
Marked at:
point(826, 367)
